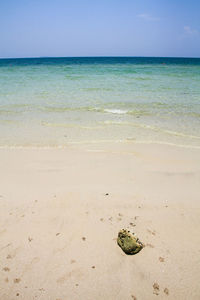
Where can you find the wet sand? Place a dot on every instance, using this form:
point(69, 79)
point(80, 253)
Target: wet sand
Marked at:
point(61, 210)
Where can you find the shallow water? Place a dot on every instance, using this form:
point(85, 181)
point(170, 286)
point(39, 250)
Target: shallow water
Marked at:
point(57, 101)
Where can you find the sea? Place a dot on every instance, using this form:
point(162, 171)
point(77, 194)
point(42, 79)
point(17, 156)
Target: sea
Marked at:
point(55, 102)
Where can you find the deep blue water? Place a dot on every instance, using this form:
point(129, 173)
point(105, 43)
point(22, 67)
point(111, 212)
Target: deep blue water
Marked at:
point(100, 60)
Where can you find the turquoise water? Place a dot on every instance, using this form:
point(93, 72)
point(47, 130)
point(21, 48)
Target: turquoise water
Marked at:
point(57, 101)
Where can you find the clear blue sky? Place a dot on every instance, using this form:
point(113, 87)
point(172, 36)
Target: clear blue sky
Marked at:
point(30, 28)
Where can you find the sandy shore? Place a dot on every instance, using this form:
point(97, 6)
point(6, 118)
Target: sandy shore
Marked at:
point(58, 228)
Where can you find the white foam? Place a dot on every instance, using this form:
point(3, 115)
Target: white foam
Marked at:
point(116, 111)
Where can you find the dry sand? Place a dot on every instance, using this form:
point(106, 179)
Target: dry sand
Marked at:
point(61, 210)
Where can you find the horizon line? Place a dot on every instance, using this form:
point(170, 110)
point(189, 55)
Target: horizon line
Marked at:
point(99, 56)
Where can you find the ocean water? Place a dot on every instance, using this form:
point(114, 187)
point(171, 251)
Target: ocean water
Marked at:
point(50, 102)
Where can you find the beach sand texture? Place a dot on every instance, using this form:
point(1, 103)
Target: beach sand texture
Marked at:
point(61, 210)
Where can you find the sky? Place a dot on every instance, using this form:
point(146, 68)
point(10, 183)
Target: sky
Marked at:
point(37, 28)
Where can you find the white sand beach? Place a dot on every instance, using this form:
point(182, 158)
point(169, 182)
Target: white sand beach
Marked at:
point(61, 210)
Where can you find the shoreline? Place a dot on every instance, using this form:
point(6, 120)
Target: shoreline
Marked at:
point(88, 142)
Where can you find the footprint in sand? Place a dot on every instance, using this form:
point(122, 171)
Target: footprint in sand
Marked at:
point(151, 232)
point(166, 291)
point(72, 261)
point(17, 280)
point(156, 288)
point(133, 297)
point(161, 259)
point(120, 217)
point(12, 253)
point(76, 273)
point(6, 246)
point(6, 269)
point(149, 245)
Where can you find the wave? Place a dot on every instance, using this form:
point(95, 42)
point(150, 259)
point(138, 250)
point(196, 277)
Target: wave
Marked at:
point(94, 89)
point(7, 112)
point(116, 111)
point(46, 147)
point(152, 108)
point(123, 123)
point(51, 124)
point(151, 127)
point(14, 122)
point(74, 77)
point(142, 78)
